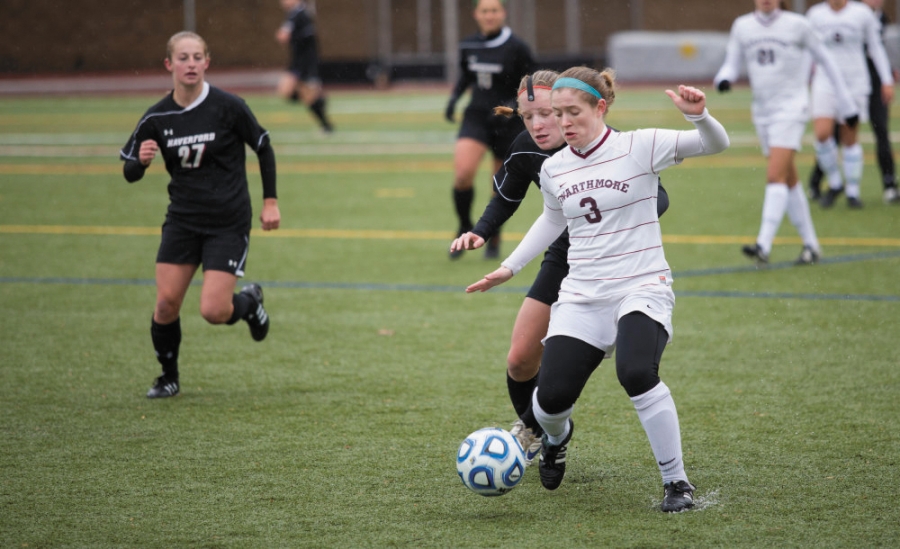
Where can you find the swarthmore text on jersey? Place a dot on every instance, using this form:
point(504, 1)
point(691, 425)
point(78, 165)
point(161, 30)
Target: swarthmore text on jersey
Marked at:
point(191, 139)
point(592, 184)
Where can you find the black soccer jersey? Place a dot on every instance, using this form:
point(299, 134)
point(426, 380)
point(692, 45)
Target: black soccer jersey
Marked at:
point(204, 153)
point(304, 49)
point(493, 66)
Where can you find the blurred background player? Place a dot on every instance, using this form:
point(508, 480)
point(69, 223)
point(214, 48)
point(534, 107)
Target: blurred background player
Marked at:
point(847, 29)
point(491, 62)
point(617, 295)
point(776, 47)
point(521, 168)
point(879, 118)
point(201, 132)
point(301, 81)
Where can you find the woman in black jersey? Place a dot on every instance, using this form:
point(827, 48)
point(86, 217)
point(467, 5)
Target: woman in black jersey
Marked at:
point(522, 167)
point(491, 63)
point(201, 132)
point(301, 80)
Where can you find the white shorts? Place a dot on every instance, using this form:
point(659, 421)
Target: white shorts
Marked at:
point(786, 134)
point(825, 105)
point(597, 322)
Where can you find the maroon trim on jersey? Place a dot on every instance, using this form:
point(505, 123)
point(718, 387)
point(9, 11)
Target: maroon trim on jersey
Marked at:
point(597, 146)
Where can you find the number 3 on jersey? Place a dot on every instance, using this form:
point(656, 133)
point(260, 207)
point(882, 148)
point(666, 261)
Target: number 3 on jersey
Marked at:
point(594, 216)
point(185, 153)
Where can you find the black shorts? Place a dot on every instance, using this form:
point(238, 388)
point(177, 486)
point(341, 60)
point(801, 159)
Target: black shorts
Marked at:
point(224, 251)
point(497, 132)
point(305, 66)
point(548, 280)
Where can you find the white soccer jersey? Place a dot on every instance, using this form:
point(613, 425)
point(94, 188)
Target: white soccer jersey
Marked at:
point(606, 196)
point(845, 33)
point(776, 49)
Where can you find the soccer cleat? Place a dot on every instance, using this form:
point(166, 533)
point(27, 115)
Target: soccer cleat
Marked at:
point(829, 197)
point(258, 319)
point(854, 202)
point(808, 256)
point(530, 443)
point(553, 460)
point(891, 196)
point(677, 496)
point(163, 388)
point(756, 253)
point(492, 250)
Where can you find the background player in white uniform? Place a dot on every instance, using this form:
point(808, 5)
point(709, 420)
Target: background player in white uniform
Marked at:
point(618, 293)
point(847, 29)
point(775, 46)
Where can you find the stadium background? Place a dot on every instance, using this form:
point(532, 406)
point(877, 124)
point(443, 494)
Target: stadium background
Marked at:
point(360, 40)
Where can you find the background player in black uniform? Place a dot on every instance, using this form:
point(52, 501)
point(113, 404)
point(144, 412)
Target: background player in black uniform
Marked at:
point(491, 62)
point(301, 81)
point(522, 167)
point(200, 132)
point(879, 117)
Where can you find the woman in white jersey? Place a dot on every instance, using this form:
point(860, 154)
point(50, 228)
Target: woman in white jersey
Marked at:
point(776, 47)
point(617, 295)
point(848, 29)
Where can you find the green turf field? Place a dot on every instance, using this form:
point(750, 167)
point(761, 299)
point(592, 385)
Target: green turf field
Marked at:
point(340, 430)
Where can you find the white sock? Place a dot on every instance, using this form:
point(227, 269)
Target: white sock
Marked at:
point(798, 212)
point(657, 413)
point(827, 156)
point(853, 168)
point(774, 205)
point(556, 426)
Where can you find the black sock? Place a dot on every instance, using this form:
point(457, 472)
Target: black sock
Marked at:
point(243, 303)
point(295, 96)
point(166, 341)
point(520, 393)
point(462, 199)
point(318, 109)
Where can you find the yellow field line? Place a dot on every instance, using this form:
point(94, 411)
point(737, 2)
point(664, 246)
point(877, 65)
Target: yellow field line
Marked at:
point(363, 234)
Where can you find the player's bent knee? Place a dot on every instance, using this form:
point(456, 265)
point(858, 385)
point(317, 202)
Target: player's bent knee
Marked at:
point(215, 314)
point(523, 364)
point(636, 378)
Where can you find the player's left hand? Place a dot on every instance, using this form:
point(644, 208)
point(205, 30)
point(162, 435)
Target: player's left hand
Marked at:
point(490, 280)
point(689, 100)
point(270, 215)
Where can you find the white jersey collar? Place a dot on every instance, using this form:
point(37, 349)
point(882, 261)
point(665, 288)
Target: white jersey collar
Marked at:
point(203, 95)
point(504, 35)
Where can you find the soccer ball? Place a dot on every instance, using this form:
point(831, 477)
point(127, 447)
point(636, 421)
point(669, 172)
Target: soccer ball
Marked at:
point(490, 461)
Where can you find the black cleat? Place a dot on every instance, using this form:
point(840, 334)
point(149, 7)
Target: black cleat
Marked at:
point(553, 460)
point(492, 250)
point(163, 387)
point(829, 197)
point(258, 319)
point(677, 496)
point(854, 203)
point(808, 256)
point(756, 253)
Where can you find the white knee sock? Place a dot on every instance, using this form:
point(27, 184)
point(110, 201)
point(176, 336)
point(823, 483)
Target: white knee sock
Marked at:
point(827, 156)
point(657, 413)
point(798, 212)
point(774, 205)
point(556, 426)
point(853, 168)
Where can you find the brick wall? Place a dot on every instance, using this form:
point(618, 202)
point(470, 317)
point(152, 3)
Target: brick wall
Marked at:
point(41, 36)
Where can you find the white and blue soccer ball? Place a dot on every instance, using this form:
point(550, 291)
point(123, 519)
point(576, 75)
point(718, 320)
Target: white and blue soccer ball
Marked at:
point(490, 461)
